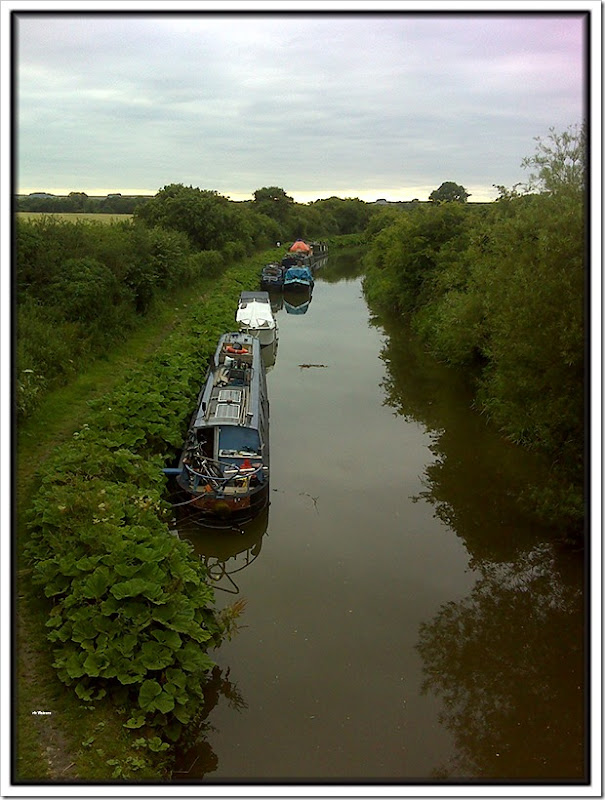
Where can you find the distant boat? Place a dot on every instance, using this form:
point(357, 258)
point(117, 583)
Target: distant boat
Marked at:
point(224, 466)
point(298, 278)
point(254, 316)
point(272, 277)
point(300, 246)
point(319, 254)
point(291, 260)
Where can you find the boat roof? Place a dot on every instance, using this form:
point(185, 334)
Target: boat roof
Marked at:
point(249, 297)
point(231, 394)
point(255, 314)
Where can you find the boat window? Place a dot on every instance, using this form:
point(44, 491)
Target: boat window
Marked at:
point(234, 441)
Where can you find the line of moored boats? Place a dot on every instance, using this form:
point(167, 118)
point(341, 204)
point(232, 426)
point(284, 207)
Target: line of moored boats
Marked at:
point(224, 464)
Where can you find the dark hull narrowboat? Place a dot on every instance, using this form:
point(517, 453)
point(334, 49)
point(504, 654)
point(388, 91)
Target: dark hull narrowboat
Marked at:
point(272, 277)
point(224, 466)
point(298, 279)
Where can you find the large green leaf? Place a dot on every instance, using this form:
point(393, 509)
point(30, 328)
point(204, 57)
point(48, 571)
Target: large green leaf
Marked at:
point(176, 676)
point(95, 586)
point(94, 663)
point(130, 588)
point(125, 644)
point(147, 694)
point(164, 702)
point(169, 638)
point(193, 659)
point(156, 656)
point(83, 629)
point(181, 713)
point(74, 665)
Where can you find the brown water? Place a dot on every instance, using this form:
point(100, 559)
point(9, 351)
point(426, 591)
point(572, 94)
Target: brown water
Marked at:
point(405, 621)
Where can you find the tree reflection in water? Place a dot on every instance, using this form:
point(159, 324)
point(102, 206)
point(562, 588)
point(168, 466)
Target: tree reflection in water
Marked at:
point(507, 661)
point(225, 552)
point(197, 758)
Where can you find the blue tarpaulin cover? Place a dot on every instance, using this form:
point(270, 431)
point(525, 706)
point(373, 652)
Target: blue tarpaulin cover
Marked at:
point(298, 272)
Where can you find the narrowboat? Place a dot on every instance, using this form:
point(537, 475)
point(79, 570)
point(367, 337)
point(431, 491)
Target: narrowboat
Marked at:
point(224, 465)
point(298, 278)
point(254, 316)
point(272, 277)
point(289, 260)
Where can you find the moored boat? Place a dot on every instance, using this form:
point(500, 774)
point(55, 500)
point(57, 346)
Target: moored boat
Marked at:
point(224, 465)
point(298, 278)
point(272, 277)
point(254, 316)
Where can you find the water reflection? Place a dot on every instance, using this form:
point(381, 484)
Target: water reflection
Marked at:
point(507, 661)
point(342, 265)
point(477, 481)
point(196, 758)
point(276, 298)
point(269, 354)
point(297, 302)
point(225, 552)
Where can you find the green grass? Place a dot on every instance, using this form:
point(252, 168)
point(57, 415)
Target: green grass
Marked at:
point(73, 216)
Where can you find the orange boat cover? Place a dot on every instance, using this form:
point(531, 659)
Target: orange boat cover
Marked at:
point(299, 245)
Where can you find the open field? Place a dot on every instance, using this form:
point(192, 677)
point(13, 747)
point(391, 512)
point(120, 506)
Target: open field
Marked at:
point(73, 216)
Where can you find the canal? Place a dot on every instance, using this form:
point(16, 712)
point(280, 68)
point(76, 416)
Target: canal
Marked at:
point(405, 620)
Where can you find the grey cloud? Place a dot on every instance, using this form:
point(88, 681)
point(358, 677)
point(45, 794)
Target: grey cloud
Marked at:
point(323, 100)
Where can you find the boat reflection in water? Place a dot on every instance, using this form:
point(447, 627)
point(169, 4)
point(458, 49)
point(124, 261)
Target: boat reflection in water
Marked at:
point(276, 299)
point(297, 302)
point(268, 354)
point(226, 551)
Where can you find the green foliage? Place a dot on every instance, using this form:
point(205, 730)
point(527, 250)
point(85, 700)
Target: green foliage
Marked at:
point(84, 290)
point(449, 192)
point(273, 202)
point(502, 288)
point(78, 202)
point(404, 256)
point(208, 219)
point(350, 215)
point(132, 615)
point(559, 162)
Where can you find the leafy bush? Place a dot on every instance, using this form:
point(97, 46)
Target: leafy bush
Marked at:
point(133, 616)
point(503, 287)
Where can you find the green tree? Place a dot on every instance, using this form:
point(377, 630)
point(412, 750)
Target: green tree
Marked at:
point(449, 192)
point(559, 162)
point(205, 216)
point(273, 202)
point(78, 200)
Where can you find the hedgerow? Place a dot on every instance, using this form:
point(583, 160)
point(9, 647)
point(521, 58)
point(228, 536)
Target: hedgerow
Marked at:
point(132, 616)
point(500, 290)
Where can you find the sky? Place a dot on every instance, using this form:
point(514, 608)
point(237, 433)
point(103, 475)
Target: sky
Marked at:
point(369, 105)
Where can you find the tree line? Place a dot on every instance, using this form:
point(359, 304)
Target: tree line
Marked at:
point(499, 290)
point(81, 286)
